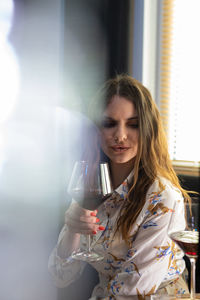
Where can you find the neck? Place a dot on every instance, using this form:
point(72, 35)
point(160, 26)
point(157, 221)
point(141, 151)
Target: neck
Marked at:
point(120, 172)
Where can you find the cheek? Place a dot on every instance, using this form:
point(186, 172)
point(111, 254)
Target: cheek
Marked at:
point(135, 136)
point(105, 137)
point(137, 141)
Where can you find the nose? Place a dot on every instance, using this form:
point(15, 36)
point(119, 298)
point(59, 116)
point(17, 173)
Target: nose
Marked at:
point(120, 134)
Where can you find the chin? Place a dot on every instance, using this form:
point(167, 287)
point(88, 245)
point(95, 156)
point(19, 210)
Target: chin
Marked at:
point(122, 160)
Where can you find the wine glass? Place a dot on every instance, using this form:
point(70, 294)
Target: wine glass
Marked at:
point(188, 239)
point(90, 184)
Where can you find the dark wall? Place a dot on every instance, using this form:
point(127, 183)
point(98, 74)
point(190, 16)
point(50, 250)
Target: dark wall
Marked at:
point(117, 31)
point(191, 183)
point(95, 44)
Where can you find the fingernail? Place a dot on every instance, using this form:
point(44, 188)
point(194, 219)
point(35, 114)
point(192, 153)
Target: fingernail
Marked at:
point(94, 232)
point(101, 227)
point(93, 214)
point(97, 220)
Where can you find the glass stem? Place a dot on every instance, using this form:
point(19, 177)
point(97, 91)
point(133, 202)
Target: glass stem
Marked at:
point(88, 243)
point(193, 277)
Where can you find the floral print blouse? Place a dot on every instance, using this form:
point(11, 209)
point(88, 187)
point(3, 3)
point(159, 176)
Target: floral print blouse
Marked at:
point(149, 263)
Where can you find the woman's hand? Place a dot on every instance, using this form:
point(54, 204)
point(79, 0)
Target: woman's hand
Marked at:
point(82, 221)
point(78, 221)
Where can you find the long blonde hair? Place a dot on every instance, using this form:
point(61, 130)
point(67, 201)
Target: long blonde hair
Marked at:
point(152, 159)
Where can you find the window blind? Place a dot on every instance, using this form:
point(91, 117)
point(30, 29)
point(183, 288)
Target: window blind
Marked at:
point(165, 61)
point(179, 81)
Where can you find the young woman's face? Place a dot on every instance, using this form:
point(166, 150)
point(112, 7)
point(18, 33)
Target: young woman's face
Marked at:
point(119, 131)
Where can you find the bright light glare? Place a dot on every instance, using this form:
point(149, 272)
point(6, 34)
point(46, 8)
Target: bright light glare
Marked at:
point(6, 12)
point(9, 78)
point(9, 72)
point(185, 96)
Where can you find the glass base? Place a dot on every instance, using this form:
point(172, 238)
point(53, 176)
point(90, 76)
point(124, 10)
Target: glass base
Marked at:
point(177, 297)
point(188, 297)
point(87, 256)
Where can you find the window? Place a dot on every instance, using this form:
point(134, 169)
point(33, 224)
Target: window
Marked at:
point(175, 25)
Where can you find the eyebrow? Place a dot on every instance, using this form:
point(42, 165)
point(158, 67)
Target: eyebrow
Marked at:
point(129, 119)
point(133, 118)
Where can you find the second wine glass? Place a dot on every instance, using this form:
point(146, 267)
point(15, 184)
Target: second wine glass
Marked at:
point(188, 239)
point(90, 185)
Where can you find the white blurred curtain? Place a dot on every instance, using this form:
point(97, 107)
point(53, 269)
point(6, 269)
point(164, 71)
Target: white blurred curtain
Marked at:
point(38, 145)
point(56, 53)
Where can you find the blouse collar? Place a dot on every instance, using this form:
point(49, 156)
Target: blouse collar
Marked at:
point(123, 188)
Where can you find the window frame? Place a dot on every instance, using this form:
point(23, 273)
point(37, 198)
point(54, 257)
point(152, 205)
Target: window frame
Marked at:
point(152, 66)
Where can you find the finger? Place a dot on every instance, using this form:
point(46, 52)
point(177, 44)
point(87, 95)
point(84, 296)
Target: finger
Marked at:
point(81, 227)
point(83, 231)
point(79, 213)
point(91, 220)
point(81, 218)
point(82, 223)
point(76, 209)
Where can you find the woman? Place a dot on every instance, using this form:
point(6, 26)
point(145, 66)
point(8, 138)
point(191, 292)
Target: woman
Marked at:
point(131, 226)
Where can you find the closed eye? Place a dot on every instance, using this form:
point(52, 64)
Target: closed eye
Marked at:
point(108, 123)
point(135, 125)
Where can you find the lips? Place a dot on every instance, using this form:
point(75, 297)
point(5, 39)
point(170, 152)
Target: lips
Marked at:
point(120, 149)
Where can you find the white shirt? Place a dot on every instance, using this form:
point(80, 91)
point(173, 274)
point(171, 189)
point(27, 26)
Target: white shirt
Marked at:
point(150, 261)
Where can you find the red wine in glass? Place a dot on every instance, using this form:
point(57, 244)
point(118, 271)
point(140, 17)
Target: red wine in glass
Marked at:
point(188, 239)
point(90, 185)
point(89, 199)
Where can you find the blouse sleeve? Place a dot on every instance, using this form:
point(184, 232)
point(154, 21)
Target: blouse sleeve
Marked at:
point(64, 271)
point(152, 258)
